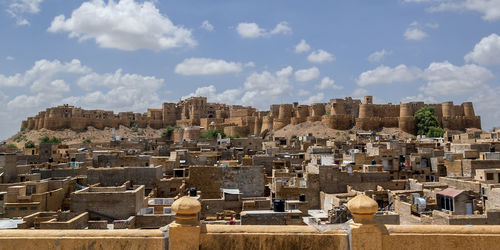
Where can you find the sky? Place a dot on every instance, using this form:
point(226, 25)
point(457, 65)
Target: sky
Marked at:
point(127, 55)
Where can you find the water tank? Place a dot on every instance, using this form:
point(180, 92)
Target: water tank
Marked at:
point(374, 162)
point(492, 149)
point(300, 175)
point(279, 205)
point(193, 192)
point(302, 197)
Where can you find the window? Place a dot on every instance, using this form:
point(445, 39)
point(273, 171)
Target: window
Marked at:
point(489, 176)
point(173, 189)
point(23, 208)
point(12, 208)
point(34, 208)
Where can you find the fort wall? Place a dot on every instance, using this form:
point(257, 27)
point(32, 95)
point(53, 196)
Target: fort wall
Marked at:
point(195, 111)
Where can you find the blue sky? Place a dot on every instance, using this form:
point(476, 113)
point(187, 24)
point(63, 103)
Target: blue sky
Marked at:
point(130, 55)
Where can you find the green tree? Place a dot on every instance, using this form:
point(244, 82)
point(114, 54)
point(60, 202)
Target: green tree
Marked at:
point(12, 146)
point(29, 144)
point(53, 140)
point(169, 130)
point(212, 134)
point(427, 123)
point(87, 140)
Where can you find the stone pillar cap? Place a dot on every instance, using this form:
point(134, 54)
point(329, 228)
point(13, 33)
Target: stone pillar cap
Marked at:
point(362, 204)
point(186, 205)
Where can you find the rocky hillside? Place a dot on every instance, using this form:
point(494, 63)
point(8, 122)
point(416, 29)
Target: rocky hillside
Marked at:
point(319, 129)
point(73, 137)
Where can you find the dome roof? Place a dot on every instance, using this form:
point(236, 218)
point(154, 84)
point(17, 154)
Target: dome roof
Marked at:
point(362, 204)
point(186, 205)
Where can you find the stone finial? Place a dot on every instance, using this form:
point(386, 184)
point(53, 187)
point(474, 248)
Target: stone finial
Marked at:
point(363, 208)
point(186, 210)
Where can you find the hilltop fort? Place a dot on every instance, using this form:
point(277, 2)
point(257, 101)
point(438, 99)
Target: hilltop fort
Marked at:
point(339, 114)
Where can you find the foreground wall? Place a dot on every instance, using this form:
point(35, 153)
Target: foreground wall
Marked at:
point(186, 232)
point(81, 239)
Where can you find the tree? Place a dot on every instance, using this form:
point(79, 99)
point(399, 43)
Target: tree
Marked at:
point(427, 123)
point(29, 144)
point(212, 134)
point(134, 126)
point(87, 140)
point(169, 130)
point(53, 140)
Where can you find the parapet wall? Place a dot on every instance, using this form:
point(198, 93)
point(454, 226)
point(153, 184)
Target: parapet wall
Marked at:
point(346, 236)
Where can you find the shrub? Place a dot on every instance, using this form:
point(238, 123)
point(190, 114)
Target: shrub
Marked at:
point(29, 144)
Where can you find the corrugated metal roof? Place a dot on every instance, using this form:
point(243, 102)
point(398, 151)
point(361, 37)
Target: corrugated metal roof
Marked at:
point(450, 192)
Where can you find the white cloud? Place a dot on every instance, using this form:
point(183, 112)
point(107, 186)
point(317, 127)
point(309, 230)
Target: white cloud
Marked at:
point(317, 98)
point(17, 9)
point(43, 73)
point(9, 58)
point(385, 74)
point(56, 86)
point(126, 25)
point(259, 89)
point(419, 98)
point(47, 84)
point(229, 96)
point(490, 9)
point(328, 83)
point(320, 56)
point(206, 25)
point(442, 78)
point(378, 56)
point(304, 75)
point(303, 92)
point(252, 30)
point(118, 79)
point(262, 88)
point(250, 64)
point(414, 33)
point(486, 52)
point(118, 91)
point(281, 28)
point(207, 66)
point(486, 103)
point(446, 79)
point(302, 47)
